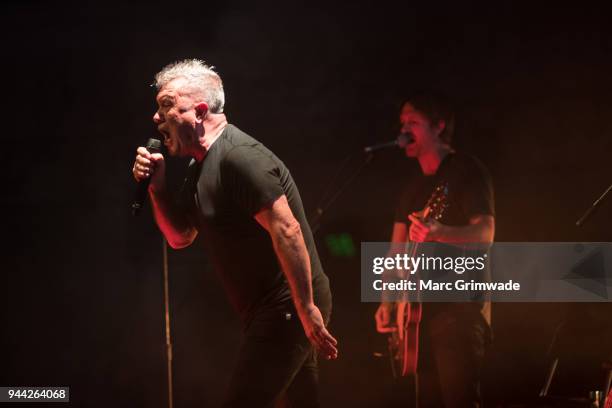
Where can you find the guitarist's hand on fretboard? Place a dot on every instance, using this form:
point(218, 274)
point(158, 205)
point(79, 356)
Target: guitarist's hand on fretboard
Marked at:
point(423, 229)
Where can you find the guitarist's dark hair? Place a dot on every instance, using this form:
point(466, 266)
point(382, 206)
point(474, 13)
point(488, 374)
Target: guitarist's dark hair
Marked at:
point(436, 107)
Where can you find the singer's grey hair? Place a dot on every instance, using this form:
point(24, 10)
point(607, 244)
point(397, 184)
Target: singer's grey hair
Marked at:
point(202, 81)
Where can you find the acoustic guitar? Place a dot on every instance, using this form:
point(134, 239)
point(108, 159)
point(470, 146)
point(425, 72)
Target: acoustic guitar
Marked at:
point(404, 343)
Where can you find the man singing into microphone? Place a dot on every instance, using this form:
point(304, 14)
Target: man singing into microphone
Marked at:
point(245, 205)
point(452, 336)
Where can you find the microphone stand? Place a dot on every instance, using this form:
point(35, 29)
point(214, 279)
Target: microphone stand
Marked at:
point(167, 322)
point(593, 207)
point(324, 205)
point(154, 146)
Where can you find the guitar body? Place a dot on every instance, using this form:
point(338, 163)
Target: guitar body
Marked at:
point(404, 343)
point(404, 349)
point(412, 313)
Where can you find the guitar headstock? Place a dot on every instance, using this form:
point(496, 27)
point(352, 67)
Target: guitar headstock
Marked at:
point(438, 202)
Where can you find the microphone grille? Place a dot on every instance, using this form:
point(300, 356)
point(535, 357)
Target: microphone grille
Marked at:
point(404, 139)
point(153, 144)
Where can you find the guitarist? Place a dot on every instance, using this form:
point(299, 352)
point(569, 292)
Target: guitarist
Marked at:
point(452, 336)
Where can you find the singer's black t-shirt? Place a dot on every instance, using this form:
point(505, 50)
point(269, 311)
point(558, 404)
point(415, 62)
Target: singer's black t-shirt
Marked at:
point(238, 177)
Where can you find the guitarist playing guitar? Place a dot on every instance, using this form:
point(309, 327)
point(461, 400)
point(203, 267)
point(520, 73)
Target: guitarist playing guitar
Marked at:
point(443, 343)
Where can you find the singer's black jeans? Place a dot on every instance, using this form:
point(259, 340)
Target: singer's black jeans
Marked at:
point(276, 360)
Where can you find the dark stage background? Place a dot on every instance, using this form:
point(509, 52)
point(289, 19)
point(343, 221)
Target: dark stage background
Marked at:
point(82, 287)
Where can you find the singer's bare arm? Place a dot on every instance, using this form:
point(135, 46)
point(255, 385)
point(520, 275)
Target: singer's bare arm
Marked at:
point(174, 225)
point(178, 232)
point(288, 243)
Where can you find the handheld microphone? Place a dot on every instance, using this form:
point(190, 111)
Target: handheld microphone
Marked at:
point(153, 146)
point(402, 140)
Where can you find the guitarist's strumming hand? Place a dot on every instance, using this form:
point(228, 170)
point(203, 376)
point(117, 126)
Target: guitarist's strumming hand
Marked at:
point(383, 318)
point(421, 230)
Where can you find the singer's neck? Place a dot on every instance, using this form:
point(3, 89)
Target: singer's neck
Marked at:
point(213, 127)
point(430, 161)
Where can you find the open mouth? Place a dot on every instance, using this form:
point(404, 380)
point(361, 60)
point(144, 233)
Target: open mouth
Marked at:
point(405, 139)
point(166, 135)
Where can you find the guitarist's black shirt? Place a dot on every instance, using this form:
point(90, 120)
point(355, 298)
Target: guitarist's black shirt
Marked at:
point(470, 192)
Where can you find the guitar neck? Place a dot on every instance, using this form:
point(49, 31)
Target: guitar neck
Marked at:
point(412, 247)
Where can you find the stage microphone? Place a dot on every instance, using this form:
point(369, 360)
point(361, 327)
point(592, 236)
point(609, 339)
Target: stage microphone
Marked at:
point(153, 146)
point(401, 141)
